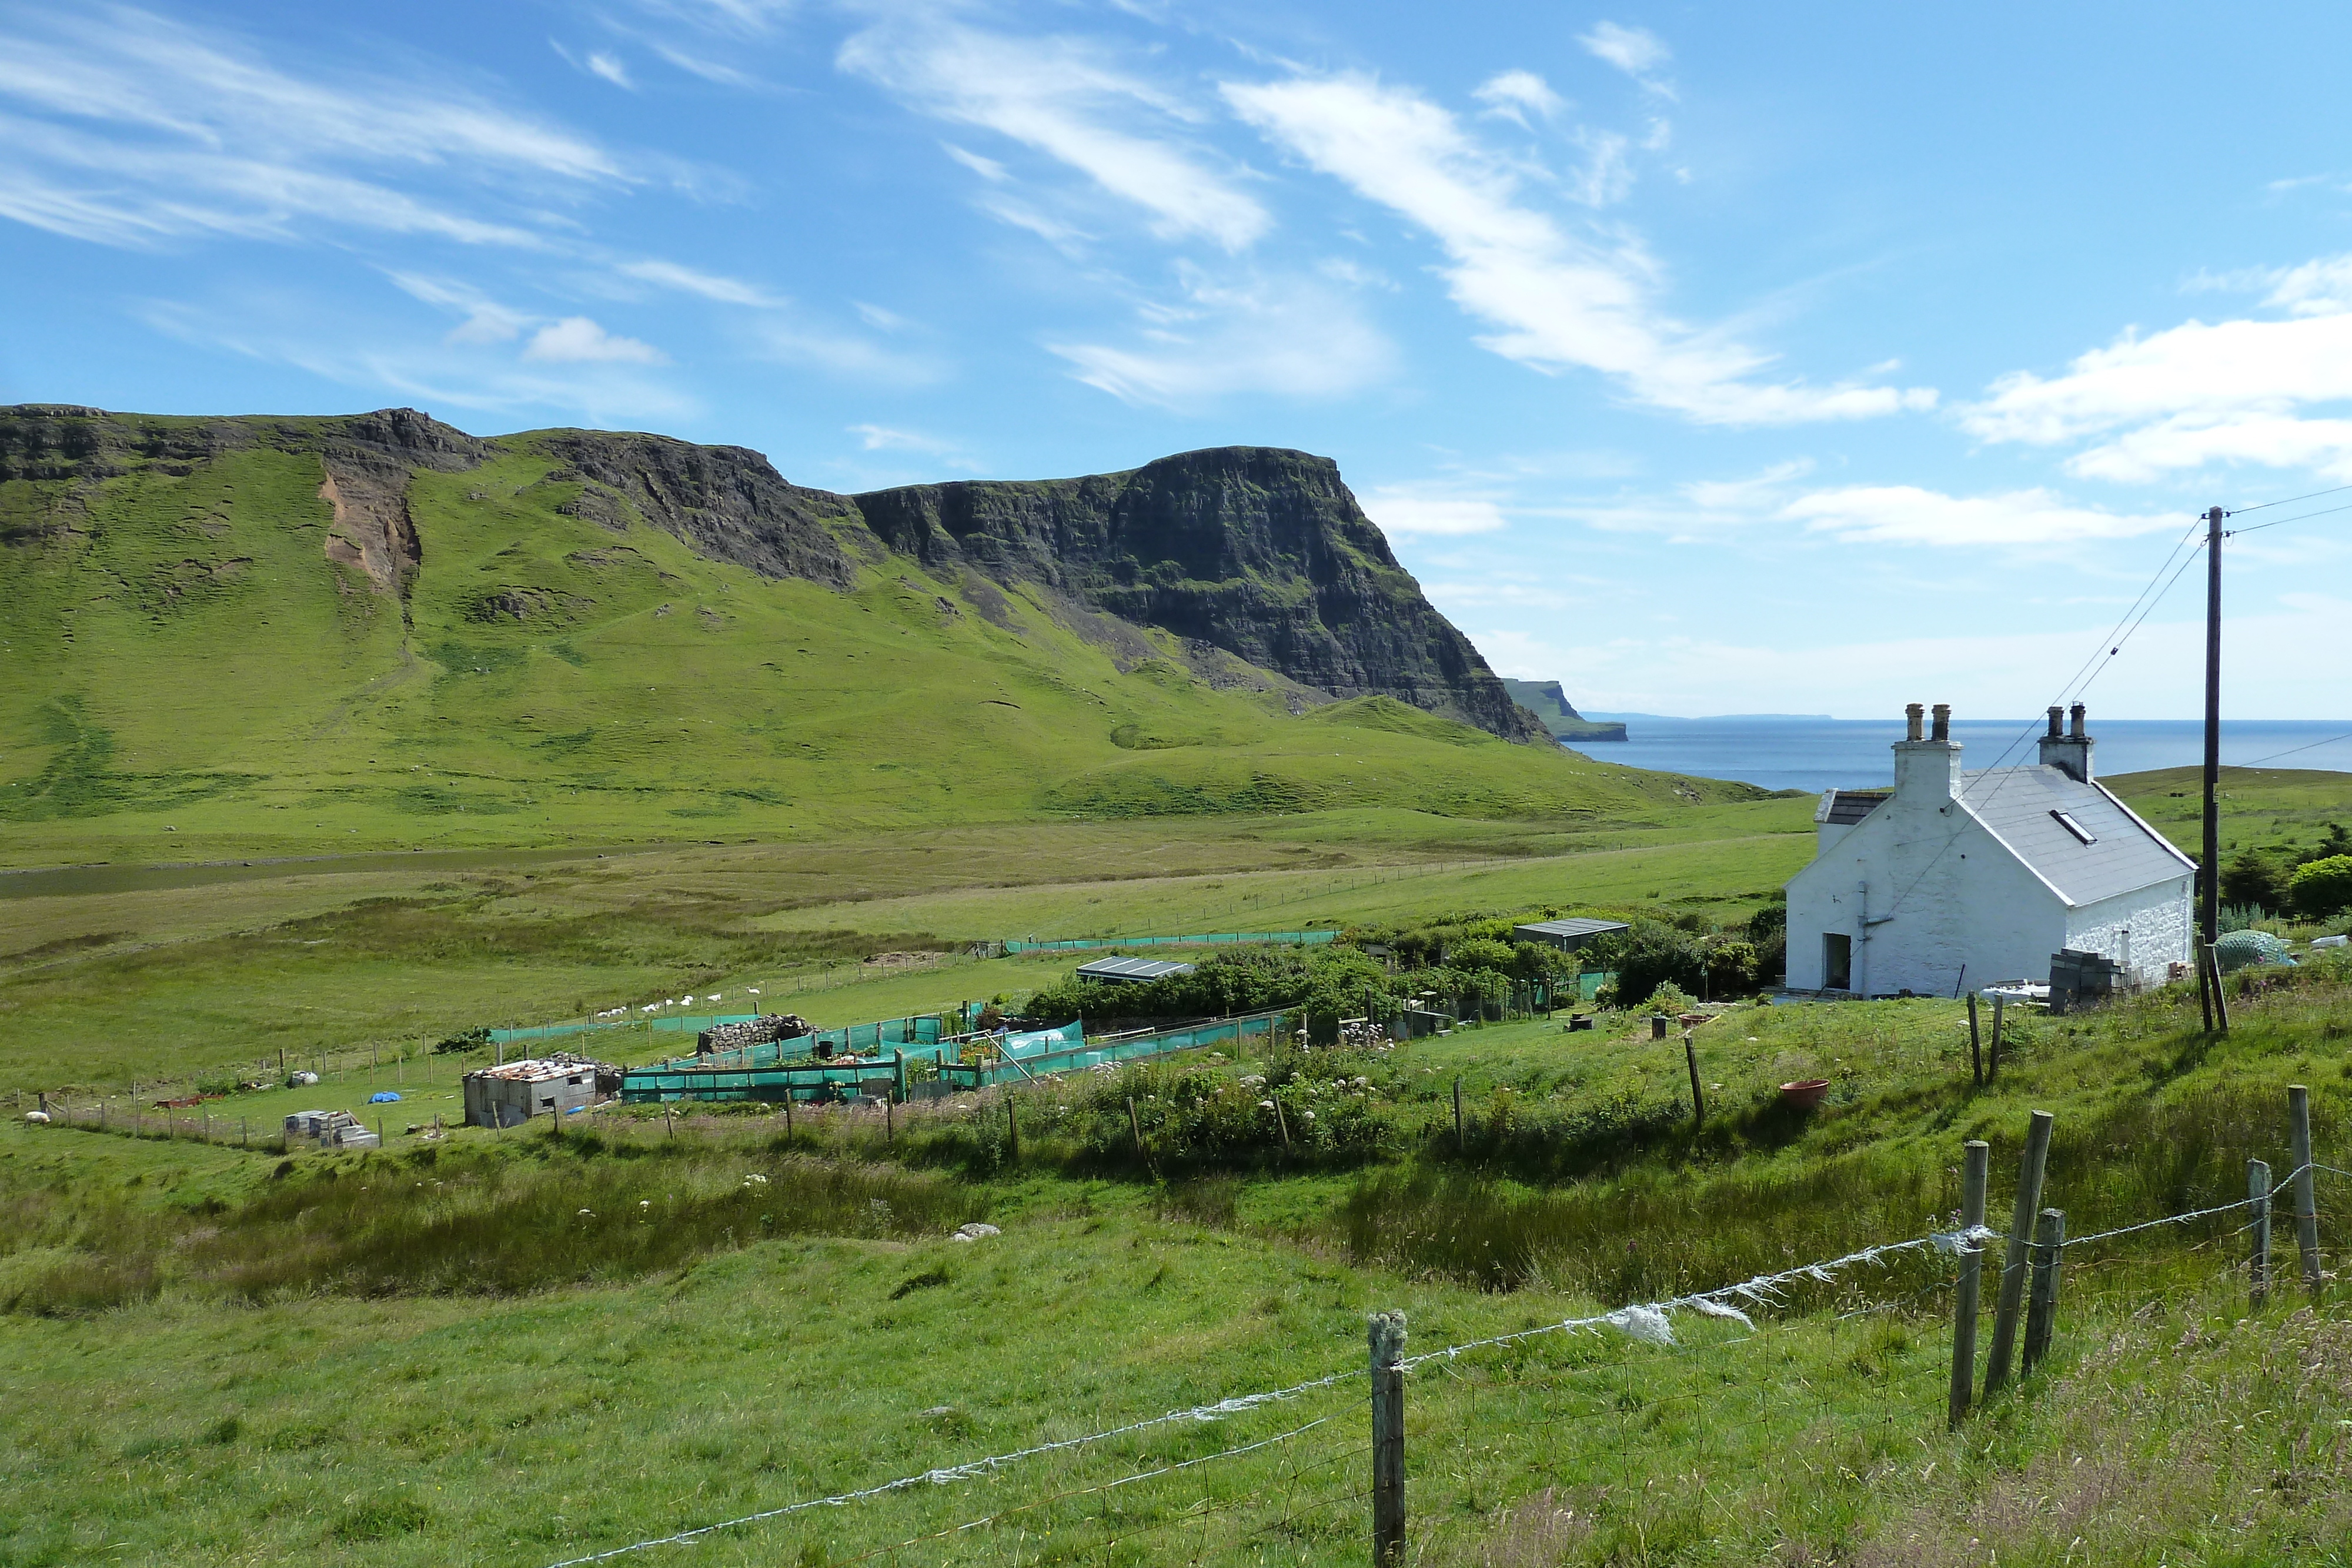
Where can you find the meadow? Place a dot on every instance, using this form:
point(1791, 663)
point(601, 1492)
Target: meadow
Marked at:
point(519, 1347)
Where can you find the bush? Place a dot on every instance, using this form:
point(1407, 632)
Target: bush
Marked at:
point(2322, 888)
point(2250, 878)
point(1731, 969)
point(1481, 953)
point(467, 1040)
point(1647, 956)
point(1669, 997)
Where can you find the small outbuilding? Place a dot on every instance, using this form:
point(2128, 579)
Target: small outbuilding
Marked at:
point(1569, 935)
point(1137, 970)
point(505, 1096)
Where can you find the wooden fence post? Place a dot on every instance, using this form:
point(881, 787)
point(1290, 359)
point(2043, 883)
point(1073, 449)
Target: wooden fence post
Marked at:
point(1992, 1063)
point(1011, 1127)
point(2220, 995)
point(2013, 1273)
point(1388, 1440)
point(1457, 1113)
point(2258, 1233)
point(1976, 1045)
point(2204, 986)
point(1699, 1100)
point(2307, 1204)
point(1135, 1126)
point(2049, 1246)
point(1967, 1294)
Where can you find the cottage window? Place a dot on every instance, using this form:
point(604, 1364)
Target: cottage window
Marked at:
point(2065, 820)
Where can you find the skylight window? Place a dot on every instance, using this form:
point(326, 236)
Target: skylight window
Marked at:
point(2066, 820)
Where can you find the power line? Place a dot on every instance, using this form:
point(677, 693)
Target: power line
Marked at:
point(2290, 751)
point(2258, 527)
point(2289, 501)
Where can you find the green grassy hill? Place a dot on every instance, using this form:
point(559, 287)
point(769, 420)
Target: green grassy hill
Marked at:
point(215, 651)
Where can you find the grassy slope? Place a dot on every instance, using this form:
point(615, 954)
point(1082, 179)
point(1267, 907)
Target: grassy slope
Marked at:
point(2172, 1427)
point(193, 660)
point(105, 987)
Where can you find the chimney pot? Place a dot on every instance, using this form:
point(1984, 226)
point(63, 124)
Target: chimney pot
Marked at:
point(2078, 721)
point(1942, 730)
point(2057, 721)
point(1914, 716)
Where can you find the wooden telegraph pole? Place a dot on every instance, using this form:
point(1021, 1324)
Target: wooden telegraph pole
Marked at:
point(2209, 891)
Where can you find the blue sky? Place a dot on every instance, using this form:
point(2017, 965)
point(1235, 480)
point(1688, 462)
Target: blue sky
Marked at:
point(1705, 358)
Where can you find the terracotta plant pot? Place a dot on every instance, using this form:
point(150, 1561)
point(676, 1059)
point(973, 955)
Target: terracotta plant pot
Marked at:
point(1805, 1093)
point(1692, 1020)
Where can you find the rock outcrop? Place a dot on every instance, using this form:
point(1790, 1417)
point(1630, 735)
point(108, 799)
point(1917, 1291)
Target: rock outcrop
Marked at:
point(1257, 551)
point(1257, 560)
point(1550, 705)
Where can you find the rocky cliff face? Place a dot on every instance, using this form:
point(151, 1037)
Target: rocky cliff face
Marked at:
point(1257, 551)
point(1550, 705)
point(1245, 553)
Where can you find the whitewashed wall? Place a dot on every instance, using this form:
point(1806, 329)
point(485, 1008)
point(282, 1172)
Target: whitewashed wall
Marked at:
point(2161, 921)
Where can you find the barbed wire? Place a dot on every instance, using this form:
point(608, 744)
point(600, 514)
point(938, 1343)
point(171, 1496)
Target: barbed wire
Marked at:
point(1646, 1320)
point(971, 1470)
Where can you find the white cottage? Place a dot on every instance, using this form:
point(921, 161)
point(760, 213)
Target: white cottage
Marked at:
point(1958, 880)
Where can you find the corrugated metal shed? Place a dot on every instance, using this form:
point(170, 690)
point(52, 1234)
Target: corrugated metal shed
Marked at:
point(503, 1096)
point(1131, 969)
point(1565, 935)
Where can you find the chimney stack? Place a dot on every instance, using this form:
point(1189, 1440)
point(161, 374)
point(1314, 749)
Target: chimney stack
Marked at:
point(1927, 771)
point(2069, 753)
point(2057, 721)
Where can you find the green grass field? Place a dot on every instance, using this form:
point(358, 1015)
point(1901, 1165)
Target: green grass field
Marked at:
point(193, 678)
point(273, 1387)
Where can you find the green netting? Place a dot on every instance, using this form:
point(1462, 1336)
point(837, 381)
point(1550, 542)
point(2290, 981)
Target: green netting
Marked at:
point(1211, 939)
point(1084, 1053)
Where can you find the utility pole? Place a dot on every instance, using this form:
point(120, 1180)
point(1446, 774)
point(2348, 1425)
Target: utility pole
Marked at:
point(2209, 892)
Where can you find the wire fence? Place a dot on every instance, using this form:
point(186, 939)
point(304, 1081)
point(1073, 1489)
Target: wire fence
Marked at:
point(1558, 1429)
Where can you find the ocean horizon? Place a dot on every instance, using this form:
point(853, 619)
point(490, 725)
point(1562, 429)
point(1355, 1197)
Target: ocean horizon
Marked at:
point(1784, 751)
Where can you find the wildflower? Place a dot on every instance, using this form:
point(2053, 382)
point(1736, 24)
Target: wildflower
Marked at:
point(1308, 1114)
point(1265, 1104)
point(589, 1212)
point(755, 1179)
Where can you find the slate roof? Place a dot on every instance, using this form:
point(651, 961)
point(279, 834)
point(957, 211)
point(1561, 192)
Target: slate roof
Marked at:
point(1844, 808)
point(2020, 805)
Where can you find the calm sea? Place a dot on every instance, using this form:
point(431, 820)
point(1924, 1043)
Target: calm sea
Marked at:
point(1850, 754)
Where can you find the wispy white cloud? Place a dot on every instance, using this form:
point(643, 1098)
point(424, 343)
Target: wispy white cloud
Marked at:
point(1555, 300)
point(130, 129)
point(1285, 334)
point(684, 279)
point(1420, 510)
point(607, 65)
point(988, 169)
point(1070, 100)
point(1906, 514)
point(576, 340)
point(2201, 393)
point(486, 320)
point(1636, 51)
point(1515, 94)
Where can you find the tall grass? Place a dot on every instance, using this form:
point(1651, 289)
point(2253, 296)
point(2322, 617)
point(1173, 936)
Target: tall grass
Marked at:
point(481, 1223)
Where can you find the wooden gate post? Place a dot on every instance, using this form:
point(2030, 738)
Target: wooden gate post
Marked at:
point(2307, 1204)
point(2258, 1233)
point(1388, 1440)
point(2049, 1246)
point(1699, 1100)
point(1976, 1045)
point(1967, 1294)
point(2013, 1273)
